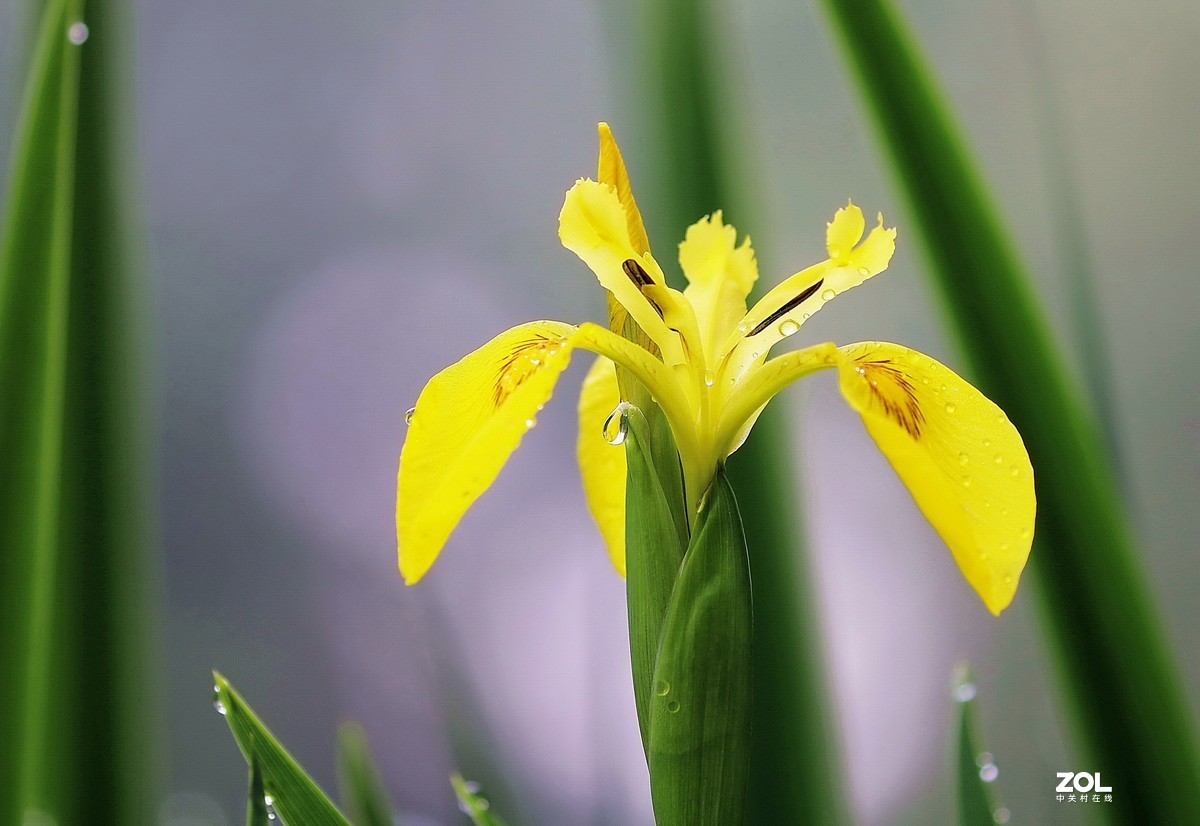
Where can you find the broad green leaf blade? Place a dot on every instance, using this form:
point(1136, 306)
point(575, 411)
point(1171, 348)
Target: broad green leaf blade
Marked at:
point(691, 107)
point(974, 768)
point(473, 803)
point(653, 553)
point(359, 779)
point(1129, 711)
point(700, 706)
point(296, 798)
point(257, 813)
point(78, 726)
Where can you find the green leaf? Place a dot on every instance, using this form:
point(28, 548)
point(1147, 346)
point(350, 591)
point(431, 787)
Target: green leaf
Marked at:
point(257, 813)
point(654, 551)
point(473, 804)
point(78, 726)
point(974, 769)
point(359, 779)
point(296, 797)
point(1129, 710)
point(700, 704)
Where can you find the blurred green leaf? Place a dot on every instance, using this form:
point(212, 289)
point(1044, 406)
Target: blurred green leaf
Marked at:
point(257, 813)
point(1129, 710)
point(78, 726)
point(700, 705)
point(692, 111)
point(974, 769)
point(295, 797)
point(359, 779)
point(473, 804)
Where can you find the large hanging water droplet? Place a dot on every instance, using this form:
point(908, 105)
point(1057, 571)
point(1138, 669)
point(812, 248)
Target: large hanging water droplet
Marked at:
point(709, 378)
point(77, 33)
point(827, 294)
point(616, 426)
point(788, 328)
point(409, 414)
point(217, 704)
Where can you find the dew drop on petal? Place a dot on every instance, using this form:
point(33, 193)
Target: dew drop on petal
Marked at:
point(409, 414)
point(742, 327)
point(1008, 579)
point(966, 481)
point(999, 459)
point(827, 294)
point(77, 33)
point(788, 327)
point(951, 407)
point(943, 388)
point(1014, 471)
point(709, 378)
point(529, 423)
point(963, 458)
point(864, 272)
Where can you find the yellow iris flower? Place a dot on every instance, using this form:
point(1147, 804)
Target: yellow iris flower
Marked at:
point(960, 457)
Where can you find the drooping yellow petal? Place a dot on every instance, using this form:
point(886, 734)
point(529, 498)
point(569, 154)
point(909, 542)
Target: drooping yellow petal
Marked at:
point(782, 311)
point(962, 460)
point(720, 275)
point(468, 420)
point(593, 225)
point(602, 465)
point(611, 171)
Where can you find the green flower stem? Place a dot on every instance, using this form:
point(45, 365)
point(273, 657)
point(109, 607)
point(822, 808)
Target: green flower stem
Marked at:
point(1129, 711)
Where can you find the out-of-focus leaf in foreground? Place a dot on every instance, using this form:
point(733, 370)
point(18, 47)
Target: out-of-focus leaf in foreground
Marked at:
point(295, 797)
point(472, 802)
point(1128, 707)
point(974, 769)
point(77, 727)
point(359, 779)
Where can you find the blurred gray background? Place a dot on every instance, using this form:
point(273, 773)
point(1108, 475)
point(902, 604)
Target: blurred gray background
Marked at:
point(344, 198)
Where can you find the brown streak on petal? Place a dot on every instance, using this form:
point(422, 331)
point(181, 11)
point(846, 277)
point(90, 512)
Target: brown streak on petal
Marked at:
point(636, 273)
point(520, 365)
point(785, 309)
point(904, 410)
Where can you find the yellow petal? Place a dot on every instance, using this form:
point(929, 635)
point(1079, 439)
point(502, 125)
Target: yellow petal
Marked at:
point(611, 171)
point(720, 275)
point(593, 225)
point(602, 465)
point(962, 460)
point(843, 232)
point(468, 420)
point(782, 311)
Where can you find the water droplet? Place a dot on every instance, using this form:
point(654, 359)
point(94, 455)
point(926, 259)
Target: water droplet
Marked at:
point(987, 442)
point(827, 294)
point(616, 426)
point(409, 414)
point(788, 327)
point(529, 423)
point(989, 773)
point(1008, 579)
point(77, 33)
point(951, 407)
point(270, 804)
point(742, 327)
point(943, 388)
point(1014, 471)
point(984, 758)
point(804, 316)
point(1002, 815)
point(924, 379)
point(1003, 547)
point(662, 688)
point(1025, 532)
point(864, 272)
point(999, 459)
point(709, 378)
point(754, 355)
point(1004, 511)
point(966, 481)
point(963, 458)
point(217, 704)
point(965, 692)
point(673, 706)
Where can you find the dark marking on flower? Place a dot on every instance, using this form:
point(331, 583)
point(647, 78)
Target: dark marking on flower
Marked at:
point(785, 309)
point(895, 394)
point(526, 358)
point(636, 273)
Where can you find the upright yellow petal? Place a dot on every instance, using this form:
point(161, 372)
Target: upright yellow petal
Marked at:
point(957, 453)
point(602, 465)
point(843, 232)
point(468, 420)
point(593, 225)
point(720, 275)
point(611, 171)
